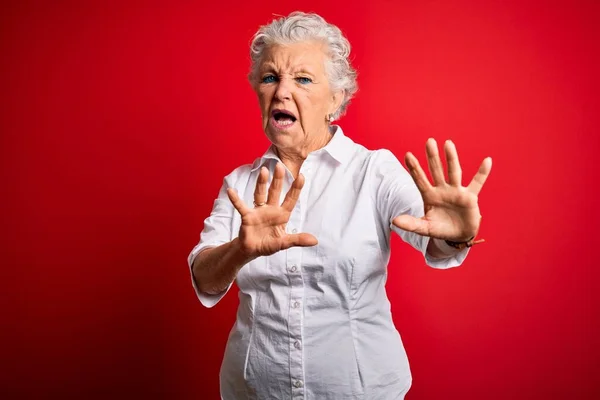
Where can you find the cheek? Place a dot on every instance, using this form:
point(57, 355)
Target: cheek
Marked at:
point(264, 99)
point(307, 103)
point(318, 101)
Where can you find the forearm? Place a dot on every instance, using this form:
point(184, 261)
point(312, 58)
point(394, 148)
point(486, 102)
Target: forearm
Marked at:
point(438, 249)
point(214, 269)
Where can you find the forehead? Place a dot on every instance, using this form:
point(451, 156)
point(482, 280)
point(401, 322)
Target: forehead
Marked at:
point(309, 55)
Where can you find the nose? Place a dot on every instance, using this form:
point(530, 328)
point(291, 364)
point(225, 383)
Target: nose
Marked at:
point(284, 89)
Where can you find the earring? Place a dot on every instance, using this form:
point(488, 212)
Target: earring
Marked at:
point(329, 118)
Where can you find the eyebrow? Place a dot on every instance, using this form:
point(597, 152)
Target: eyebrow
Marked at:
point(305, 71)
point(269, 66)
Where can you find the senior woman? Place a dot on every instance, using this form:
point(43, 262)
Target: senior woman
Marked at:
point(305, 231)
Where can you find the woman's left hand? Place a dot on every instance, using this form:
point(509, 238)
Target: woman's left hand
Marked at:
point(451, 210)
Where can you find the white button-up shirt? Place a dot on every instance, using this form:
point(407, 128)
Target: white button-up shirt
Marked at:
point(315, 322)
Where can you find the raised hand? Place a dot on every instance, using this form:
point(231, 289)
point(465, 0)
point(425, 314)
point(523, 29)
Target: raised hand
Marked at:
point(451, 210)
point(262, 232)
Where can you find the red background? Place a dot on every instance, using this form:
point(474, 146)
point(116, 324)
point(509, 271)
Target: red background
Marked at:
point(118, 123)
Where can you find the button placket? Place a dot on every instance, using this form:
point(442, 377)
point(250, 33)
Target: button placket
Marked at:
point(296, 285)
point(296, 282)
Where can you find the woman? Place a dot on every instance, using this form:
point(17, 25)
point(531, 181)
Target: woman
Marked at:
point(305, 231)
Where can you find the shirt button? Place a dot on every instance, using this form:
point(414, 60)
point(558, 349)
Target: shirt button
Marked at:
point(297, 344)
point(294, 268)
point(298, 384)
point(294, 230)
point(296, 304)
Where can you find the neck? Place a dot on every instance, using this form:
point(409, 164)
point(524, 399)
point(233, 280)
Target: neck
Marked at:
point(293, 158)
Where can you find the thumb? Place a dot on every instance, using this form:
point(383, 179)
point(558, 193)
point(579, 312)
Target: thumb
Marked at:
point(299, 239)
point(412, 224)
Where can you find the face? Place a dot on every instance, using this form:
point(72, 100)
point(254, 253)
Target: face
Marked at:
point(294, 95)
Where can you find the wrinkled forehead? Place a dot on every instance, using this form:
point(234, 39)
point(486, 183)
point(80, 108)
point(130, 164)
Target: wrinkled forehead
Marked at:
point(296, 57)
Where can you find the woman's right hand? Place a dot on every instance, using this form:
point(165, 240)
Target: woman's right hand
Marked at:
point(262, 232)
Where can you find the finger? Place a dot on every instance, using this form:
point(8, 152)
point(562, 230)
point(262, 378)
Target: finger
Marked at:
point(293, 194)
point(412, 224)
point(260, 191)
point(276, 185)
point(417, 172)
point(454, 169)
point(237, 202)
point(434, 162)
point(481, 176)
point(299, 239)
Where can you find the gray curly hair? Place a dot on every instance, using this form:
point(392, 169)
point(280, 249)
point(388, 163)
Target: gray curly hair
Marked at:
point(299, 27)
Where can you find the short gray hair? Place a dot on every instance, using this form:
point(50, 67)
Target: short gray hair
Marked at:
point(299, 27)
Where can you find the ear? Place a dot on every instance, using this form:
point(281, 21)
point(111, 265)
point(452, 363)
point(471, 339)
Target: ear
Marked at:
point(337, 100)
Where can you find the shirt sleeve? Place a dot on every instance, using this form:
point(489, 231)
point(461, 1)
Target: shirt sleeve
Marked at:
point(397, 194)
point(217, 231)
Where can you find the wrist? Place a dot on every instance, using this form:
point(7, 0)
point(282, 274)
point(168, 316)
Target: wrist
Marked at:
point(440, 249)
point(242, 255)
point(460, 245)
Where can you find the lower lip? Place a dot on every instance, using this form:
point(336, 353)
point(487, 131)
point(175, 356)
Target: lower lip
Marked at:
point(282, 127)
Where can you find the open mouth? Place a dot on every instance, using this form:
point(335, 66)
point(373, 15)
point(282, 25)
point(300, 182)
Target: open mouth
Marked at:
point(283, 118)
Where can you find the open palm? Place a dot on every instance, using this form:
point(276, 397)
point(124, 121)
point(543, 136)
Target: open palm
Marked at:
point(263, 228)
point(451, 210)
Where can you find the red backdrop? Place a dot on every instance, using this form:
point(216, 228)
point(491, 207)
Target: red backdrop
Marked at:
point(118, 123)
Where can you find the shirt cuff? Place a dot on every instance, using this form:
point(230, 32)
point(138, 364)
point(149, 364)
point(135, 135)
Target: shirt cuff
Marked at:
point(207, 300)
point(451, 261)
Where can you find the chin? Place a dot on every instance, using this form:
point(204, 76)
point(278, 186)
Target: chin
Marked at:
point(280, 138)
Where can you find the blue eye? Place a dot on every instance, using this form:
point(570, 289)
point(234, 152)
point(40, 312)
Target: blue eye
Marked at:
point(269, 79)
point(304, 80)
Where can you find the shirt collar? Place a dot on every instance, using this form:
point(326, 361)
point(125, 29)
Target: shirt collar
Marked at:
point(339, 148)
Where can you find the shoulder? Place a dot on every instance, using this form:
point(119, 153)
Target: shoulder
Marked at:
point(372, 162)
point(241, 174)
point(384, 166)
point(381, 161)
point(238, 175)
point(360, 154)
point(383, 157)
point(370, 157)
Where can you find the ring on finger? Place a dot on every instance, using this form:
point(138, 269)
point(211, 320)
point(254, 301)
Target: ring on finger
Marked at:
point(259, 204)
